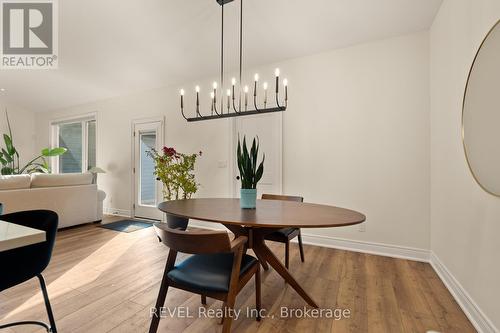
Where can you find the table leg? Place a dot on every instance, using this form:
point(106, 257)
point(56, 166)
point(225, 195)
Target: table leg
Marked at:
point(248, 232)
point(262, 251)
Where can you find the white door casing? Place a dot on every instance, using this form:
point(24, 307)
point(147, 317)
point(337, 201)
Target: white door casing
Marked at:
point(146, 134)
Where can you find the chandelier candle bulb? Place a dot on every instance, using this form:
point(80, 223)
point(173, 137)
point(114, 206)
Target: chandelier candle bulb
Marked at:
point(233, 81)
point(246, 97)
point(182, 98)
point(285, 83)
point(256, 79)
point(265, 94)
point(212, 104)
point(197, 89)
point(277, 82)
point(215, 92)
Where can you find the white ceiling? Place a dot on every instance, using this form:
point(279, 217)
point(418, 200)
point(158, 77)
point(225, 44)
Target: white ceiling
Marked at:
point(114, 47)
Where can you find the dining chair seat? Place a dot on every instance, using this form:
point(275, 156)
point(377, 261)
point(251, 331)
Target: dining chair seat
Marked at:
point(282, 234)
point(285, 235)
point(209, 272)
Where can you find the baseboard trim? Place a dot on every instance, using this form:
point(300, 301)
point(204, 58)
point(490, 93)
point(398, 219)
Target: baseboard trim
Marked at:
point(386, 250)
point(477, 317)
point(117, 212)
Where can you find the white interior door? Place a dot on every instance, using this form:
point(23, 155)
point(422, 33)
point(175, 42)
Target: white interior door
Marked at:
point(268, 128)
point(147, 190)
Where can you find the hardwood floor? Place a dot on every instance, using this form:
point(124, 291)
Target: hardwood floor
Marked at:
point(105, 281)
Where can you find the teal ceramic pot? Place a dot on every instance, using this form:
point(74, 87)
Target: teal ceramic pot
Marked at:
point(1, 209)
point(248, 198)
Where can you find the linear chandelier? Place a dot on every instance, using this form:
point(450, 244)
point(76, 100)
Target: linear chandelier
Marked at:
point(221, 107)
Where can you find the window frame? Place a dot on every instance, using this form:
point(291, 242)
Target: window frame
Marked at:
point(84, 120)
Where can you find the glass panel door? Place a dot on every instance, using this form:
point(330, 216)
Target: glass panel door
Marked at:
point(147, 179)
point(147, 190)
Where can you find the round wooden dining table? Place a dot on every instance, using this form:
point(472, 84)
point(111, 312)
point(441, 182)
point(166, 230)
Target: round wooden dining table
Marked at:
point(269, 216)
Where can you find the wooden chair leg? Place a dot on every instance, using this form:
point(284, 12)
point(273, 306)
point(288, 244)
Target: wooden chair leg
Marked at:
point(257, 292)
point(162, 295)
point(224, 305)
point(301, 248)
point(226, 325)
point(287, 254)
point(203, 299)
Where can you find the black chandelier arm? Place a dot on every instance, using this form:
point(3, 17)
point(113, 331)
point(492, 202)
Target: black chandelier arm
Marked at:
point(198, 114)
point(278, 100)
point(215, 108)
point(182, 112)
point(255, 103)
point(234, 106)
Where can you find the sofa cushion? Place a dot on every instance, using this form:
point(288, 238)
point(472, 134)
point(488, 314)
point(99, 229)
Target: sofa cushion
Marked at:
point(63, 179)
point(15, 182)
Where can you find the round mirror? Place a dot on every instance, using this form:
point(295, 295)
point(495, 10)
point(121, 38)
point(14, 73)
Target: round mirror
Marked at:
point(481, 114)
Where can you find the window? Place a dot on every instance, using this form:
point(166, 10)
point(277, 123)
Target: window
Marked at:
point(78, 136)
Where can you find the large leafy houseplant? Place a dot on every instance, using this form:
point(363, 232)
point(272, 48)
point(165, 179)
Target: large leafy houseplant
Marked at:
point(9, 157)
point(176, 171)
point(250, 172)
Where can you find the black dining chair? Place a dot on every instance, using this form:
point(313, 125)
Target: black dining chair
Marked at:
point(218, 268)
point(285, 235)
point(24, 263)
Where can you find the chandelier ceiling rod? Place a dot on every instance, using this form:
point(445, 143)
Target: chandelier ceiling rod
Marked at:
point(222, 59)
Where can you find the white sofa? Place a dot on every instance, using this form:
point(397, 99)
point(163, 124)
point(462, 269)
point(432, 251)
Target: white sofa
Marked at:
point(72, 196)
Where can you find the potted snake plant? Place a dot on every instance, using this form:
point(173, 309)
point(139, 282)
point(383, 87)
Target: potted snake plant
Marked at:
point(250, 173)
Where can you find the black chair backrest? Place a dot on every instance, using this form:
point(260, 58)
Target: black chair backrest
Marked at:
point(193, 242)
point(282, 197)
point(21, 264)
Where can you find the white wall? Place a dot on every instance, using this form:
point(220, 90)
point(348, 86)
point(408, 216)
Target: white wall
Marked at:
point(356, 135)
point(465, 225)
point(23, 129)
point(114, 141)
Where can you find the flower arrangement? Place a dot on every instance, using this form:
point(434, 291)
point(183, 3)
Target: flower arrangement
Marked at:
point(176, 171)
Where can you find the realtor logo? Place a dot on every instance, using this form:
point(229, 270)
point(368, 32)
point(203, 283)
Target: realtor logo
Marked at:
point(29, 34)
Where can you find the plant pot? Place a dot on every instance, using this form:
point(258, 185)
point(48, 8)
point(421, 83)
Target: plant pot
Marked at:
point(248, 198)
point(177, 222)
